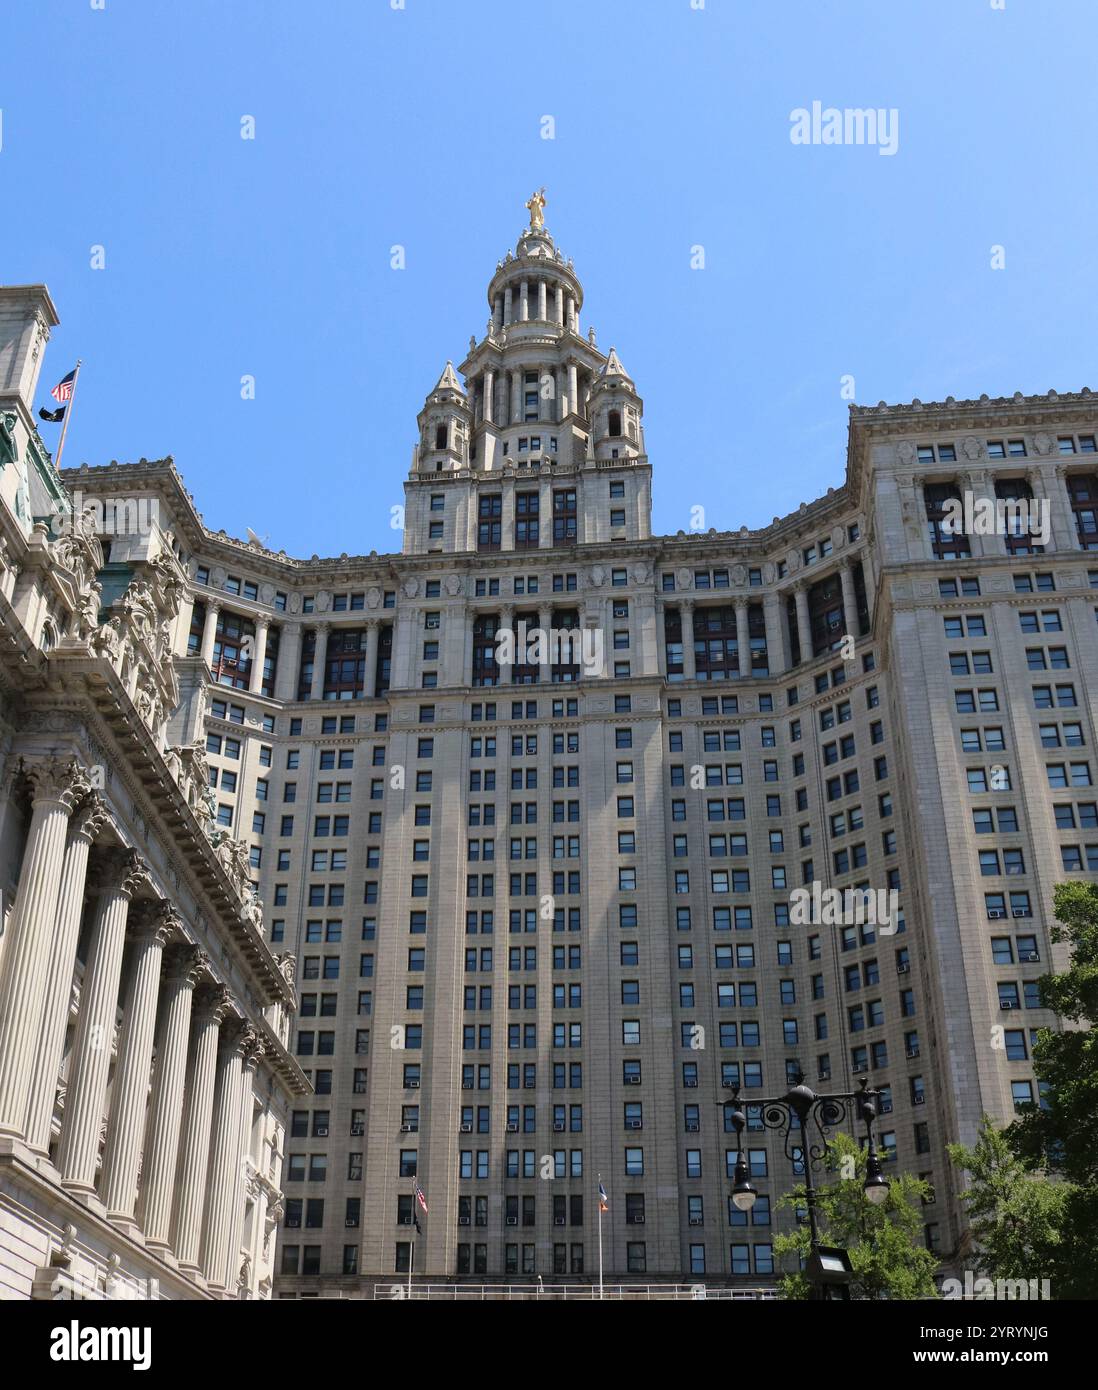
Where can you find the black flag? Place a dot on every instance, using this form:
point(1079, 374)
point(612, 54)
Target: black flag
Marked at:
point(52, 417)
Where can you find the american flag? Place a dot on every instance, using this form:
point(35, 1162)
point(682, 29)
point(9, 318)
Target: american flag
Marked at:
point(63, 390)
point(604, 1201)
point(420, 1198)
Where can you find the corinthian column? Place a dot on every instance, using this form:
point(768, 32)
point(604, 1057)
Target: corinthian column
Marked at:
point(87, 821)
point(249, 1065)
point(58, 785)
point(211, 1006)
point(224, 1157)
point(154, 928)
point(121, 874)
point(184, 966)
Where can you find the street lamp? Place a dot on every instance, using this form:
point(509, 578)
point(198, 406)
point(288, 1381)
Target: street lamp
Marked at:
point(796, 1111)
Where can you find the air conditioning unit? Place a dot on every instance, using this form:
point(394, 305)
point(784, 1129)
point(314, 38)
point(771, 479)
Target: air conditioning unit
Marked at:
point(1007, 1004)
point(913, 1052)
point(1015, 869)
point(1021, 912)
point(633, 1124)
point(824, 1074)
point(690, 1084)
point(358, 1129)
point(463, 1221)
point(692, 1127)
point(697, 1221)
point(728, 1085)
point(902, 967)
point(1031, 956)
point(321, 1132)
point(413, 1086)
point(558, 1220)
point(292, 1224)
point(466, 1129)
point(465, 1085)
point(861, 1066)
point(350, 1221)
point(558, 1126)
point(512, 1221)
point(406, 1129)
point(512, 1128)
point(995, 913)
point(632, 1081)
point(918, 1100)
point(637, 1220)
point(404, 1221)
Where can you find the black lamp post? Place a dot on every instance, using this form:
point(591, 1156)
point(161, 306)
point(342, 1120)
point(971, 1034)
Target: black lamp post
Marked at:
point(797, 1111)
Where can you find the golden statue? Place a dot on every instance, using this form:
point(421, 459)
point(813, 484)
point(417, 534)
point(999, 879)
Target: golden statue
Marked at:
point(536, 206)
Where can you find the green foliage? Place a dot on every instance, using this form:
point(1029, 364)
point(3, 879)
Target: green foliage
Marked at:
point(1016, 1217)
point(883, 1242)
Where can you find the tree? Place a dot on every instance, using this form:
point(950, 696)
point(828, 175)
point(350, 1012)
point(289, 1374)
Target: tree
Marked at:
point(880, 1240)
point(1060, 1135)
point(1015, 1216)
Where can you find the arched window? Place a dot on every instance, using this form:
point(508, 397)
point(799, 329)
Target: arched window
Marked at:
point(440, 436)
point(613, 424)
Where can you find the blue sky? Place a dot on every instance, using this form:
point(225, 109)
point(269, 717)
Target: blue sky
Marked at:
point(422, 127)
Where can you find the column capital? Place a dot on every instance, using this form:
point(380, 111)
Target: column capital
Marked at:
point(59, 779)
point(89, 818)
point(120, 871)
point(212, 1003)
point(214, 605)
point(263, 622)
point(185, 964)
point(153, 922)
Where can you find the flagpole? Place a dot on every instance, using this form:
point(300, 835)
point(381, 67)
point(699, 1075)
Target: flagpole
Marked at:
point(68, 416)
point(411, 1261)
point(600, 1237)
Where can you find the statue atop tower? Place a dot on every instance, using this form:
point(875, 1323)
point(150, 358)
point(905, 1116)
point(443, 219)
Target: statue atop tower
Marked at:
point(536, 206)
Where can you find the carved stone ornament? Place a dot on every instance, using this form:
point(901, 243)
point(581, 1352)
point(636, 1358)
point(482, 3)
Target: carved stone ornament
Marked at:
point(972, 448)
point(453, 585)
point(57, 779)
point(323, 601)
point(1044, 444)
point(411, 587)
point(905, 451)
point(683, 579)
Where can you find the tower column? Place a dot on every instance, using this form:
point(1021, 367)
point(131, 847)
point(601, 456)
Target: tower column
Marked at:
point(210, 1007)
point(288, 668)
point(121, 873)
point(516, 397)
point(88, 820)
point(184, 966)
point(689, 657)
point(559, 308)
point(508, 307)
point(506, 624)
point(320, 657)
point(776, 660)
point(850, 602)
point(804, 622)
point(543, 312)
point(497, 311)
point(209, 631)
point(573, 389)
point(155, 927)
point(259, 655)
point(24, 982)
point(743, 637)
point(545, 666)
point(373, 628)
point(489, 394)
point(571, 313)
point(524, 300)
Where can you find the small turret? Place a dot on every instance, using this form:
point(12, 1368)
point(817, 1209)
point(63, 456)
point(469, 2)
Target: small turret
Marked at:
point(444, 425)
point(615, 412)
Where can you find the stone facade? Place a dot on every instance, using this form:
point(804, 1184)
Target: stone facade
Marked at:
point(542, 911)
point(145, 1077)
